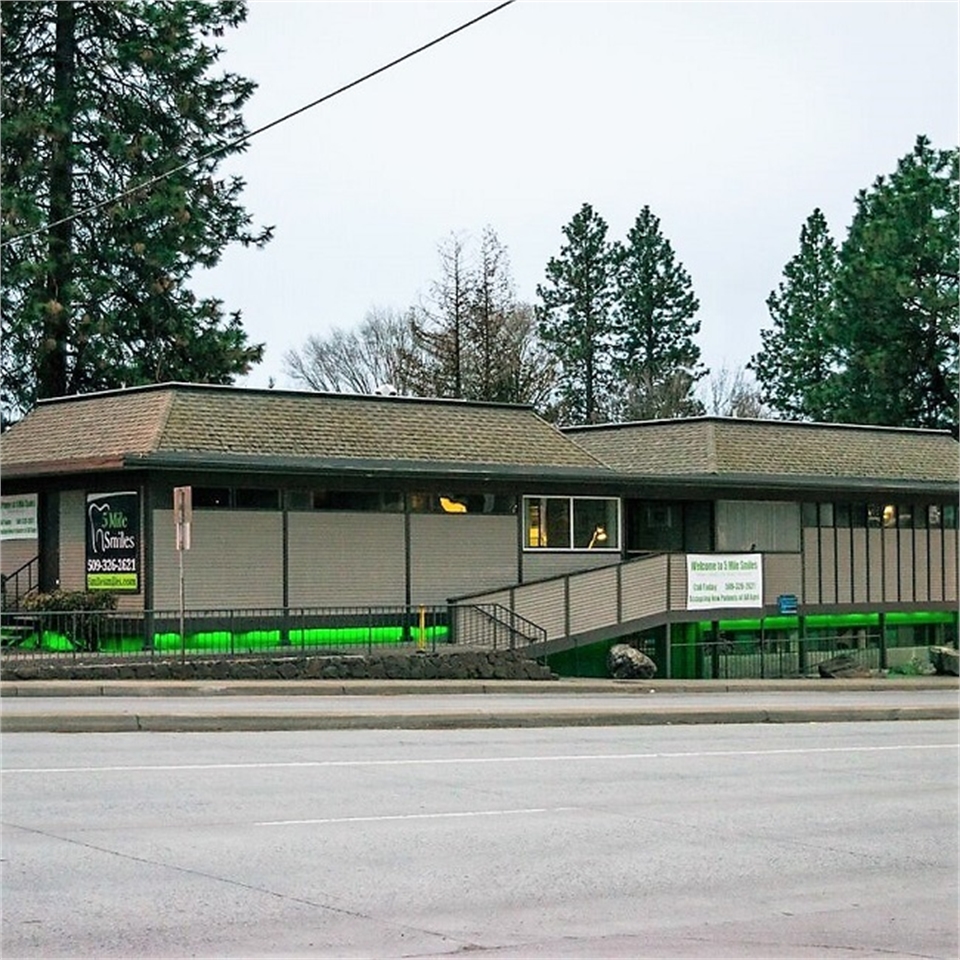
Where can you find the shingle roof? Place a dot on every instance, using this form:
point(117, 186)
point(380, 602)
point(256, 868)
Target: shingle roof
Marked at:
point(725, 447)
point(216, 423)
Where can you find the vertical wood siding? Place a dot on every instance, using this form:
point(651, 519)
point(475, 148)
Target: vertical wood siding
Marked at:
point(15, 553)
point(891, 574)
point(539, 565)
point(235, 561)
point(458, 554)
point(346, 559)
point(844, 566)
point(875, 553)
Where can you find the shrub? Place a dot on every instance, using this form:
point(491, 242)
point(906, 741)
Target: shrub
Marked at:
point(76, 614)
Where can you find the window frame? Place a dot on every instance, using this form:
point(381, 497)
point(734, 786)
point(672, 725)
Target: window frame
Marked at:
point(541, 500)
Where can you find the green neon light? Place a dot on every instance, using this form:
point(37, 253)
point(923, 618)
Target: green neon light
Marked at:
point(221, 641)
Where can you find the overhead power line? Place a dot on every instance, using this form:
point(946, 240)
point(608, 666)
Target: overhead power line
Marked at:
point(253, 133)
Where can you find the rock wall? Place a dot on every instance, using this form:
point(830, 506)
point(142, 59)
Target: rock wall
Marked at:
point(462, 665)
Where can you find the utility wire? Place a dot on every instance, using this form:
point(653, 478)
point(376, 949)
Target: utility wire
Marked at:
point(253, 133)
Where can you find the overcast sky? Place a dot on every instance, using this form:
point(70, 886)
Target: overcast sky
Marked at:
point(732, 121)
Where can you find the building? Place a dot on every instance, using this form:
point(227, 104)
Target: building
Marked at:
point(701, 534)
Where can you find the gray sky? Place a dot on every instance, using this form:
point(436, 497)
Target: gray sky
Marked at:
point(732, 121)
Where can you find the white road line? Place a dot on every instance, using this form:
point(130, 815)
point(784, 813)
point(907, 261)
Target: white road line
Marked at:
point(411, 816)
point(439, 761)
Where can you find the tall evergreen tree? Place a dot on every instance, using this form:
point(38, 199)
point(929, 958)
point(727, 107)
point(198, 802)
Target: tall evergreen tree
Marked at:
point(797, 359)
point(98, 99)
point(896, 326)
point(574, 317)
point(656, 363)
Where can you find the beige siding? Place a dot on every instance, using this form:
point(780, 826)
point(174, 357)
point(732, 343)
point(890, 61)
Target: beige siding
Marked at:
point(950, 565)
point(345, 559)
point(905, 537)
point(543, 603)
point(859, 565)
point(890, 574)
point(235, 561)
point(828, 567)
point(811, 567)
point(73, 549)
point(921, 563)
point(677, 567)
point(645, 588)
point(844, 566)
point(781, 574)
point(15, 553)
point(538, 565)
point(458, 554)
point(593, 600)
point(936, 565)
point(875, 556)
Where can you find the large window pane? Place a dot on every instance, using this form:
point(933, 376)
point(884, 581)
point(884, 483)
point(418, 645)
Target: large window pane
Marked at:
point(595, 525)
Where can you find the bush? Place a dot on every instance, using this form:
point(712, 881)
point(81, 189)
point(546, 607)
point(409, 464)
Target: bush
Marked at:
point(74, 613)
point(71, 601)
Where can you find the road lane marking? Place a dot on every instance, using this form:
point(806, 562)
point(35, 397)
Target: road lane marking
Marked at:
point(410, 816)
point(439, 761)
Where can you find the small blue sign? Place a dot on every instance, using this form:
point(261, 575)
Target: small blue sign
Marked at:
point(787, 603)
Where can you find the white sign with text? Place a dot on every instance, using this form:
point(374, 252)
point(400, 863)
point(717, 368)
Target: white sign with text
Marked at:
point(724, 580)
point(18, 517)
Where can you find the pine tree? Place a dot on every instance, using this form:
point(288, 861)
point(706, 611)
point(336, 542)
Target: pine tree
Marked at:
point(98, 99)
point(656, 363)
point(574, 317)
point(797, 360)
point(896, 326)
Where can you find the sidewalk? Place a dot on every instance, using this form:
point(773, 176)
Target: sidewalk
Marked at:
point(175, 706)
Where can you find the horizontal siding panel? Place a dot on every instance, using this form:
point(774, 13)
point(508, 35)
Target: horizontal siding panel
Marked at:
point(543, 603)
point(346, 559)
point(459, 554)
point(782, 573)
point(828, 567)
point(844, 566)
point(905, 538)
point(811, 566)
point(876, 560)
point(235, 561)
point(73, 544)
point(858, 562)
point(891, 574)
point(950, 565)
point(593, 600)
point(16, 553)
point(921, 564)
point(937, 569)
point(678, 581)
point(644, 588)
point(539, 565)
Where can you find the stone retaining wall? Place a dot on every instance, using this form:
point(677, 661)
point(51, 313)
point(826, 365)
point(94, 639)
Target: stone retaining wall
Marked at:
point(462, 665)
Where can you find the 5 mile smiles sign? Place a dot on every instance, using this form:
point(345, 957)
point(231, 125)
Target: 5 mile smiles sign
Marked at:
point(113, 541)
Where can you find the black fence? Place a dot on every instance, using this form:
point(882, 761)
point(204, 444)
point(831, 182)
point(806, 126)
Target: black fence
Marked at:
point(267, 632)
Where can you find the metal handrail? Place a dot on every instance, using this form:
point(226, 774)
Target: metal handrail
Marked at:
point(32, 570)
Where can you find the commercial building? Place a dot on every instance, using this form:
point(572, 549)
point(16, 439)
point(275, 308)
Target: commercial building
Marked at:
point(699, 537)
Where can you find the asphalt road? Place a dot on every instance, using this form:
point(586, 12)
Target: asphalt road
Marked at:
point(777, 840)
point(276, 707)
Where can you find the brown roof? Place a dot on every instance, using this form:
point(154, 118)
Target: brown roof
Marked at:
point(727, 447)
point(218, 423)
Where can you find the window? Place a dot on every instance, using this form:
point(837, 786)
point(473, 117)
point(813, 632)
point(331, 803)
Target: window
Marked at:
point(367, 501)
point(949, 516)
point(571, 523)
point(457, 502)
point(255, 499)
point(211, 497)
point(934, 516)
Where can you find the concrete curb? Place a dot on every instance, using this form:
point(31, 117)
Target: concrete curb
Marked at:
point(324, 688)
point(79, 722)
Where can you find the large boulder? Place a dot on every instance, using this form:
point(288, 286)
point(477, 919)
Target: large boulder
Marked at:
point(628, 663)
point(843, 666)
point(945, 660)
